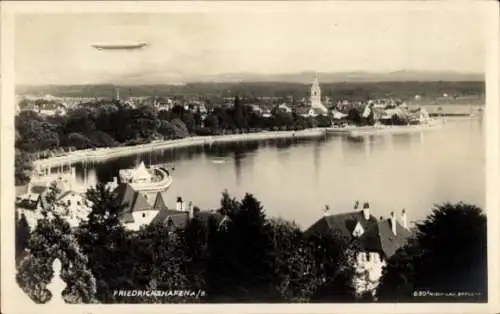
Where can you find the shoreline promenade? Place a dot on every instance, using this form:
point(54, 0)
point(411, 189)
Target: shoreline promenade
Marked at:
point(101, 154)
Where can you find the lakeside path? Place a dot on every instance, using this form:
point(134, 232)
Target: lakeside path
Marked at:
point(101, 154)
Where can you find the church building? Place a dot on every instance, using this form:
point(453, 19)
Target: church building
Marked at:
point(316, 103)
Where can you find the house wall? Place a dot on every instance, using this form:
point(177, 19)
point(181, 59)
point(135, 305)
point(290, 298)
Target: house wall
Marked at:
point(368, 271)
point(143, 217)
point(75, 208)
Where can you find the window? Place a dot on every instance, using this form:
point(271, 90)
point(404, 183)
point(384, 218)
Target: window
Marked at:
point(69, 202)
point(78, 203)
point(143, 215)
point(170, 222)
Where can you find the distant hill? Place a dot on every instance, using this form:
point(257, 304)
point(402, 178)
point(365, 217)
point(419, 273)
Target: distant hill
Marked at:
point(403, 84)
point(157, 77)
point(328, 77)
point(249, 90)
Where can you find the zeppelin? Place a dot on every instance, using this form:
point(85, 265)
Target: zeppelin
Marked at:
point(118, 46)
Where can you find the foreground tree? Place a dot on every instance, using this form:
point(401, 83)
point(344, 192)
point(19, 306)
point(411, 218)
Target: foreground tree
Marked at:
point(104, 240)
point(51, 239)
point(22, 235)
point(333, 261)
point(295, 274)
point(448, 255)
point(239, 265)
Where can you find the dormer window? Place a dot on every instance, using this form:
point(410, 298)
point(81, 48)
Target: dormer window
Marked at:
point(358, 230)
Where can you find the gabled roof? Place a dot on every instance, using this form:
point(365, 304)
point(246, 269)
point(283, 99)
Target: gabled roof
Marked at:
point(390, 243)
point(377, 235)
point(319, 111)
point(343, 224)
point(38, 189)
point(125, 194)
point(302, 110)
point(131, 200)
point(160, 202)
point(179, 219)
point(140, 203)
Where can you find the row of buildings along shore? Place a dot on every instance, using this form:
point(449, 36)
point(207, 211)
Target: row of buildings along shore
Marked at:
point(315, 105)
point(141, 194)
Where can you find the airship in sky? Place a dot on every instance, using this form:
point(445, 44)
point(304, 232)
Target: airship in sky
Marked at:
point(119, 45)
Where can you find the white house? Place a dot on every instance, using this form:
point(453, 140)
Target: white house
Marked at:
point(373, 241)
point(285, 108)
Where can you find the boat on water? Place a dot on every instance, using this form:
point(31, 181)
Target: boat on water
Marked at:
point(218, 160)
point(141, 178)
point(397, 129)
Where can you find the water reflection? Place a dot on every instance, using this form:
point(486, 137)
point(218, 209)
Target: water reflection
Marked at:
point(296, 178)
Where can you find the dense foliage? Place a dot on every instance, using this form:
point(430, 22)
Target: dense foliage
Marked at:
point(53, 239)
point(238, 254)
point(447, 255)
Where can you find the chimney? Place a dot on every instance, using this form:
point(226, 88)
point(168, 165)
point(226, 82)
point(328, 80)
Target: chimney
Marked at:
point(366, 210)
point(179, 204)
point(326, 210)
point(196, 211)
point(190, 209)
point(73, 178)
point(404, 219)
point(393, 223)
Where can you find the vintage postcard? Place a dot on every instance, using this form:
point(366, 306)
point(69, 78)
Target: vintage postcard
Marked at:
point(254, 157)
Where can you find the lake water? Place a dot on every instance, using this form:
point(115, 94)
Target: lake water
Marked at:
point(295, 179)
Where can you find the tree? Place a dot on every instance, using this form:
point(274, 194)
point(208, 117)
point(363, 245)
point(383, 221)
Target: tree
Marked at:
point(295, 275)
point(194, 239)
point(448, 254)
point(335, 272)
point(51, 239)
point(23, 166)
point(239, 265)
point(22, 235)
point(104, 240)
point(354, 116)
point(159, 262)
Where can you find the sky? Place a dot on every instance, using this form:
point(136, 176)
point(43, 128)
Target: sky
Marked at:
point(56, 48)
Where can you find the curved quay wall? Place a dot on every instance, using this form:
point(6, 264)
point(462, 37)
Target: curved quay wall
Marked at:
point(114, 152)
point(159, 186)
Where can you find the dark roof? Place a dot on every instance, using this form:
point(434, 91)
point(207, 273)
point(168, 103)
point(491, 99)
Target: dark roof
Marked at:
point(131, 200)
point(390, 243)
point(179, 218)
point(204, 216)
point(160, 202)
point(140, 203)
point(302, 110)
point(377, 236)
point(319, 111)
point(125, 194)
point(63, 194)
point(342, 224)
point(38, 189)
point(28, 204)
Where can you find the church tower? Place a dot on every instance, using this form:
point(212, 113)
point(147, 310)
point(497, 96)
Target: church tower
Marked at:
point(316, 95)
